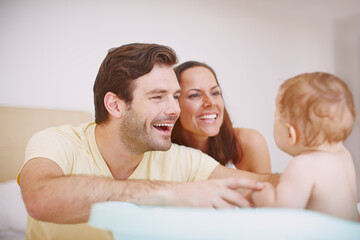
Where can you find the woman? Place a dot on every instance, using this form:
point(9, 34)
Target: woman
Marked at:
point(204, 123)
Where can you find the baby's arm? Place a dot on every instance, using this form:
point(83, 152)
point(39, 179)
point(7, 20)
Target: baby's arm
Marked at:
point(294, 189)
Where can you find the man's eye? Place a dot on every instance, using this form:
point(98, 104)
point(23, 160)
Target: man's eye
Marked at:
point(176, 97)
point(156, 98)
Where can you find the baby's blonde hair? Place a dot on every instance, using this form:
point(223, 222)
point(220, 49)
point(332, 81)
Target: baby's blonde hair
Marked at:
point(319, 105)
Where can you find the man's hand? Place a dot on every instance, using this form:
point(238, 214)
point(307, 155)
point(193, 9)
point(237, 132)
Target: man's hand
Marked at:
point(224, 172)
point(215, 193)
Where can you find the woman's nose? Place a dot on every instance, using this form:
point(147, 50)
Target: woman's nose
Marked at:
point(208, 101)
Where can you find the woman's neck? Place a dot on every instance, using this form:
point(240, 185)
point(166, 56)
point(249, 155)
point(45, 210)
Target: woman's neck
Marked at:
point(196, 141)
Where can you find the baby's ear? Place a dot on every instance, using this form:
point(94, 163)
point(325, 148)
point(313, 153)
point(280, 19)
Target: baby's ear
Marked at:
point(292, 134)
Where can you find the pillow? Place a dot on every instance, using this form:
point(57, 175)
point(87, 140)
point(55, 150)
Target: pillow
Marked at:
point(13, 215)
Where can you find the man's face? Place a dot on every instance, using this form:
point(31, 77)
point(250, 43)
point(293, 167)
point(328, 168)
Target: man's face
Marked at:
point(148, 121)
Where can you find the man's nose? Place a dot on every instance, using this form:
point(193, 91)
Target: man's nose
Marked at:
point(173, 107)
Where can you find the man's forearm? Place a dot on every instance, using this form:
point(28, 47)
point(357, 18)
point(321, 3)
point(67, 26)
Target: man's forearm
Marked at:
point(68, 199)
point(51, 196)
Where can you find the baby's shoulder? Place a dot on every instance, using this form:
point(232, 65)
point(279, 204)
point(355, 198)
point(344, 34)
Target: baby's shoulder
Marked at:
point(318, 159)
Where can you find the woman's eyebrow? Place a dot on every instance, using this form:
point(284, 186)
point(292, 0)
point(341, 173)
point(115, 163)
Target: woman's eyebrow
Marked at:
point(216, 86)
point(199, 90)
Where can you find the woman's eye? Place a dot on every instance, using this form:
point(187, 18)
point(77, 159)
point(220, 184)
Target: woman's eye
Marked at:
point(216, 93)
point(194, 95)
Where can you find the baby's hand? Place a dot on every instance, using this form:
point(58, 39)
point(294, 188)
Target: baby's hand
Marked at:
point(249, 194)
point(258, 198)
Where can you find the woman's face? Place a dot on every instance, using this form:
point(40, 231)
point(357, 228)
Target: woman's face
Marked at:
point(201, 103)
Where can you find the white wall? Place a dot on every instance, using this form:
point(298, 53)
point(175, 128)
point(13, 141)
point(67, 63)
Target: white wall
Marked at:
point(50, 51)
point(347, 66)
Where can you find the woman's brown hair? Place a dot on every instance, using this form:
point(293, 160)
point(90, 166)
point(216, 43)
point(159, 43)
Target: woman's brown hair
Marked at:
point(223, 147)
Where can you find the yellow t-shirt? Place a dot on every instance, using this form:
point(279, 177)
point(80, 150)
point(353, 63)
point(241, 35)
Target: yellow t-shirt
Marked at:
point(74, 149)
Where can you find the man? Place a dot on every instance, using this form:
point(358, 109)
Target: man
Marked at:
point(67, 169)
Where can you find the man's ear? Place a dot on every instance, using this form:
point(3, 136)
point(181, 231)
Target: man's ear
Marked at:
point(292, 134)
point(114, 105)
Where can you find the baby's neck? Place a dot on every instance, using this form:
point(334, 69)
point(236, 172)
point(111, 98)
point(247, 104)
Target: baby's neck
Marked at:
point(326, 147)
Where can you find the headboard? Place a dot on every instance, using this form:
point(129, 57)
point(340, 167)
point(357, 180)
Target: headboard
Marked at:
point(19, 124)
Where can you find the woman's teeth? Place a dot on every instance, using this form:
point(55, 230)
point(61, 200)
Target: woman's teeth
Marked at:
point(209, 116)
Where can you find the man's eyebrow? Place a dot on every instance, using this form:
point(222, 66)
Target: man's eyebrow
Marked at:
point(157, 90)
point(161, 91)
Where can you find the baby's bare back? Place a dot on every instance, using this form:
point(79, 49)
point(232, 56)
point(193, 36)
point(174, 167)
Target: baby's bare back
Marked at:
point(334, 190)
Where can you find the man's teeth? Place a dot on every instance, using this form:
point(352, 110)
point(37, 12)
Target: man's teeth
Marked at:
point(210, 116)
point(163, 125)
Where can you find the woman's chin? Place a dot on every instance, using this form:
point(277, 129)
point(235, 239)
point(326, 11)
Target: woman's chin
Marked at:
point(211, 133)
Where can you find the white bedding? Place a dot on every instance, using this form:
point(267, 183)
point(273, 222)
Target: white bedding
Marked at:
point(12, 212)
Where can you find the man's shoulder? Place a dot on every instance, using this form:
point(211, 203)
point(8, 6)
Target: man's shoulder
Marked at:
point(65, 132)
point(68, 129)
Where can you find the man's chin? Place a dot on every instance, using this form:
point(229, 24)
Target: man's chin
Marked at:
point(164, 146)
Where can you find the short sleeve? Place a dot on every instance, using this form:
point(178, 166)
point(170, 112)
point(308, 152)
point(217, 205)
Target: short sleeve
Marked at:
point(51, 144)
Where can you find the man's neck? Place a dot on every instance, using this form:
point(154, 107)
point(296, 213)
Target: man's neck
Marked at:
point(121, 161)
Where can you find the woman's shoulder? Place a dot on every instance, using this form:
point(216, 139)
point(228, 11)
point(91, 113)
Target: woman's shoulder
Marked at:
point(248, 136)
point(256, 156)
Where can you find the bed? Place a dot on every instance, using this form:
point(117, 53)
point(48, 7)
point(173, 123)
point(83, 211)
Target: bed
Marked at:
point(17, 126)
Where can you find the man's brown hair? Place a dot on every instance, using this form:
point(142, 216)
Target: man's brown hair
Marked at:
point(124, 64)
point(319, 105)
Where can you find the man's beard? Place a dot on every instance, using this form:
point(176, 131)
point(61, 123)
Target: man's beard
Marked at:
point(136, 136)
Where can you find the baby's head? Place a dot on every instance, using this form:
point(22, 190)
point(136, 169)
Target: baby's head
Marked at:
point(319, 106)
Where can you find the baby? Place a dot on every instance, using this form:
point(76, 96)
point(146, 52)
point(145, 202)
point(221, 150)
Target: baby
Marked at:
point(314, 115)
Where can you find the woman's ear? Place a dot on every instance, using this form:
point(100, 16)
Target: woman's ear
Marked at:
point(114, 105)
point(292, 134)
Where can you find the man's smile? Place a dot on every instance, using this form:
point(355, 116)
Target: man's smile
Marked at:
point(165, 127)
